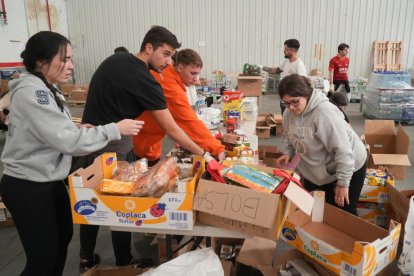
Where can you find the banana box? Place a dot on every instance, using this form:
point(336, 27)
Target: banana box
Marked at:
point(375, 213)
point(377, 194)
point(173, 210)
point(343, 243)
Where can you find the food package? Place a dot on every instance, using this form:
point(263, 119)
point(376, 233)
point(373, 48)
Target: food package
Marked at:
point(252, 178)
point(378, 177)
point(115, 187)
point(159, 180)
point(133, 171)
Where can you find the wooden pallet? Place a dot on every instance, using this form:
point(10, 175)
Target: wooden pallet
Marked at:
point(388, 55)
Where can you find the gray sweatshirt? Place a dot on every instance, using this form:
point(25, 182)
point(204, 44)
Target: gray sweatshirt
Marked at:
point(42, 138)
point(329, 149)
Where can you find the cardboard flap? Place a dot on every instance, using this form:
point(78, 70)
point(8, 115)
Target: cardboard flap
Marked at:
point(379, 127)
point(236, 203)
point(391, 159)
point(402, 141)
point(257, 252)
point(300, 197)
point(399, 202)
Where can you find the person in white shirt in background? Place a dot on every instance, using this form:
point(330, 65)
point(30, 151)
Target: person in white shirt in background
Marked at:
point(291, 65)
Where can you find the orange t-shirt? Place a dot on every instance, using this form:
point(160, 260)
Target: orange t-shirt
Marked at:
point(148, 142)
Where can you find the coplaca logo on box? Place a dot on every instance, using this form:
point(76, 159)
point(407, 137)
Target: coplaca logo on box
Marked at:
point(85, 207)
point(289, 234)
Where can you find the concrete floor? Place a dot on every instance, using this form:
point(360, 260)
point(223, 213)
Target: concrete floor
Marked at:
point(12, 257)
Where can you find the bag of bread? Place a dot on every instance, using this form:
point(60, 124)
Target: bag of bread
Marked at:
point(160, 179)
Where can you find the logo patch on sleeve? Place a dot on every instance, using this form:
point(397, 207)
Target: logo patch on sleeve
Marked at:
point(42, 97)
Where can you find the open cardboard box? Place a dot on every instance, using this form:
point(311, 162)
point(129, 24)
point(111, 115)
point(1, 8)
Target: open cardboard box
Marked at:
point(342, 242)
point(388, 146)
point(90, 207)
point(245, 210)
point(262, 127)
point(251, 86)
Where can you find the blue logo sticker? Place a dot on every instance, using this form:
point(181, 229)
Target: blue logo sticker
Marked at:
point(289, 234)
point(85, 207)
point(109, 161)
point(42, 97)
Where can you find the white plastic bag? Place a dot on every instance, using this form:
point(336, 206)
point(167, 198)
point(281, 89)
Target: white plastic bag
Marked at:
point(203, 262)
point(406, 260)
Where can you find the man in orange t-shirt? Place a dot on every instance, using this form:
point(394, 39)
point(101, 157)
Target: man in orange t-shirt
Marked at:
point(173, 80)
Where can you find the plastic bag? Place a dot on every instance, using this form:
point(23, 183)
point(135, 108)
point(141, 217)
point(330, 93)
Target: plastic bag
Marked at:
point(406, 260)
point(159, 180)
point(132, 171)
point(203, 262)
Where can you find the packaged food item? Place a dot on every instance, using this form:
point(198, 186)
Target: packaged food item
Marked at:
point(115, 187)
point(131, 172)
point(159, 180)
point(252, 178)
point(378, 177)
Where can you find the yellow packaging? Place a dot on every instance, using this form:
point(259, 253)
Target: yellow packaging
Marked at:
point(341, 242)
point(173, 210)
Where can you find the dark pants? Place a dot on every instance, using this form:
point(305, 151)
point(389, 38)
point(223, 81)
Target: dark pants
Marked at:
point(355, 187)
point(337, 83)
point(43, 219)
point(121, 241)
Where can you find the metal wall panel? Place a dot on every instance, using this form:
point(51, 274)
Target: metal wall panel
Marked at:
point(240, 31)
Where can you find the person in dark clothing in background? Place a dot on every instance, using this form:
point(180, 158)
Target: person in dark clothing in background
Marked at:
point(113, 95)
point(340, 100)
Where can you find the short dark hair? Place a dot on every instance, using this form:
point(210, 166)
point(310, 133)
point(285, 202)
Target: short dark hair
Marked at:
point(293, 43)
point(339, 99)
point(121, 49)
point(342, 47)
point(187, 57)
point(157, 36)
point(295, 86)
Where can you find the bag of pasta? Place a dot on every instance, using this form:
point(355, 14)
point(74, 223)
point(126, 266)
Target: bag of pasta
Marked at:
point(160, 179)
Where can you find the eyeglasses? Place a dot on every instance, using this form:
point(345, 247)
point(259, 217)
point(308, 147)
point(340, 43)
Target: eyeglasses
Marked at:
point(294, 103)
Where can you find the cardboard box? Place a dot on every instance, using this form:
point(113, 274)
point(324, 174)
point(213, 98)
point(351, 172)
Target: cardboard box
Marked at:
point(67, 89)
point(374, 213)
point(78, 95)
point(343, 243)
point(91, 207)
point(245, 210)
point(113, 271)
point(377, 194)
point(263, 149)
point(388, 146)
point(262, 127)
point(4, 87)
point(251, 86)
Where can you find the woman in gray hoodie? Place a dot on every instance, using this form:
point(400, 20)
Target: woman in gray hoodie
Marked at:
point(332, 156)
point(37, 154)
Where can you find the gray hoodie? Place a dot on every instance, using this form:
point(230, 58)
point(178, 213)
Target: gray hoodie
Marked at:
point(329, 149)
point(42, 138)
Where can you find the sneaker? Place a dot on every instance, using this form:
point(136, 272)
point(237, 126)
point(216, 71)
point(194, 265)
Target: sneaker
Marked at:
point(86, 264)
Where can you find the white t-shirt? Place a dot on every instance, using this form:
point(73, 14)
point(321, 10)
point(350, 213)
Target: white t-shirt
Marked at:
point(289, 68)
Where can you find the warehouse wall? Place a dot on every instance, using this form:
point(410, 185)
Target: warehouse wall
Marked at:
point(228, 33)
point(25, 18)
